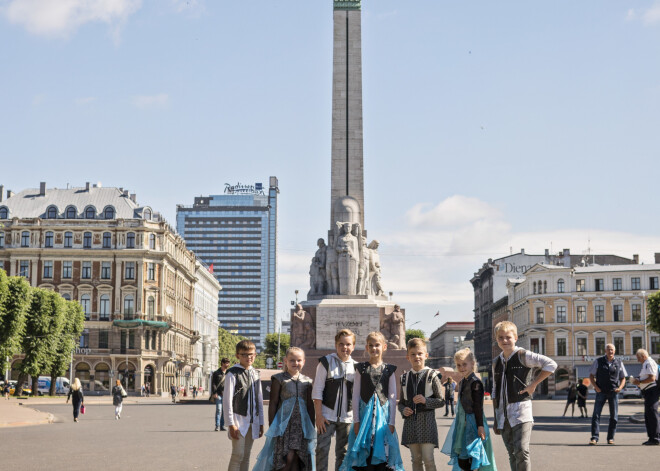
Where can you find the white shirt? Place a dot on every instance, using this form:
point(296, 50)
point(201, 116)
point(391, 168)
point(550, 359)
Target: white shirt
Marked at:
point(519, 412)
point(391, 387)
point(649, 369)
point(244, 422)
point(345, 416)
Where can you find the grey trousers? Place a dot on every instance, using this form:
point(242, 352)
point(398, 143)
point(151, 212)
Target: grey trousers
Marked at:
point(323, 445)
point(516, 440)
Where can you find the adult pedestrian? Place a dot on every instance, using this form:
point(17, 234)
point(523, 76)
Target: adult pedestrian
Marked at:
point(582, 392)
point(647, 383)
point(570, 400)
point(77, 398)
point(194, 392)
point(217, 391)
point(147, 389)
point(118, 395)
point(173, 393)
point(5, 390)
point(142, 391)
point(608, 375)
point(450, 387)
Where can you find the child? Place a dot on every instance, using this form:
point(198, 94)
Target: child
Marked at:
point(421, 395)
point(244, 406)
point(582, 392)
point(372, 442)
point(333, 388)
point(291, 438)
point(468, 442)
point(513, 388)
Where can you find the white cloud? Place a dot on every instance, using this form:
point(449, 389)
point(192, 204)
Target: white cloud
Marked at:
point(143, 102)
point(82, 101)
point(649, 16)
point(63, 17)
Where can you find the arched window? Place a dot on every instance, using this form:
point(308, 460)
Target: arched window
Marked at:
point(152, 241)
point(71, 212)
point(67, 296)
point(90, 212)
point(151, 307)
point(560, 285)
point(534, 285)
point(85, 302)
point(104, 308)
point(4, 213)
point(147, 214)
point(51, 212)
point(109, 212)
point(545, 287)
point(82, 373)
point(102, 375)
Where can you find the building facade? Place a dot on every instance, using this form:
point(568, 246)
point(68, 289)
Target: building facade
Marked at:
point(447, 340)
point(236, 235)
point(126, 266)
point(570, 314)
point(206, 325)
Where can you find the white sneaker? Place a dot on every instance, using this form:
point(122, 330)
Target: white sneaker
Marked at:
point(116, 417)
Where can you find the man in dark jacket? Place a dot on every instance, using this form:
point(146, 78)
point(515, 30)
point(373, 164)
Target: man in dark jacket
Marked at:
point(608, 375)
point(217, 389)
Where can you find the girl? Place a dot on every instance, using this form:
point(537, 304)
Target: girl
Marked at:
point(468, 442)
point(77, 398)
point(118, 395)
point(373, 444)
point(291, 437)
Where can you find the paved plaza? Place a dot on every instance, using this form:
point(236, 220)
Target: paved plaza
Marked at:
point(154, 434)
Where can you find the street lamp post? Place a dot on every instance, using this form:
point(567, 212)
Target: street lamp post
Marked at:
point(644, 317)
point(296, 291)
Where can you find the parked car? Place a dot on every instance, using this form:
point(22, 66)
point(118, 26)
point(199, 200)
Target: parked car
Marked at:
point(12, 388)
point(630, 390)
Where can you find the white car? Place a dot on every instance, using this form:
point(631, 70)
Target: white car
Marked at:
point(630, 390)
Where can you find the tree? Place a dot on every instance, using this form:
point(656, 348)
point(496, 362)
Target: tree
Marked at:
point(15, 295)
point(73, 326)
point(227, 344)
point(653, 313)
point(414, 333)
point(271, 345)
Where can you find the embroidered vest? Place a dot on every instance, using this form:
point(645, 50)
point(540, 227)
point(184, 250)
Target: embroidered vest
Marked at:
point(335, 378)
point(373, 382)
point(410, 388)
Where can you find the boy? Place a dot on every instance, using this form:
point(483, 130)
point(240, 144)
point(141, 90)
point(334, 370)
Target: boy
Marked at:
point(244, 407)
point(421, 394)
point(333, 389)
point(513, 388)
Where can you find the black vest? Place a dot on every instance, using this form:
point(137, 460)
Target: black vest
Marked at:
point(465, 394)
point(517, 377)
point(378, 385)
point(413, 388)
point(332, 388)
point(607, 375)
point(243, 400)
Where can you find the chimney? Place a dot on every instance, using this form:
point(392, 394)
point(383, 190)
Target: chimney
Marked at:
point(2, 190)
point(42, 189)
point(125, 193)
point(547, 253)
point(87, 186)
point(133, 197)
point(9, 194)
point(657, 257)
point(636, 259)
point(522, 251)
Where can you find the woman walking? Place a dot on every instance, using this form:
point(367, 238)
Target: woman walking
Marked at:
point(77, 398)
point(118, 395)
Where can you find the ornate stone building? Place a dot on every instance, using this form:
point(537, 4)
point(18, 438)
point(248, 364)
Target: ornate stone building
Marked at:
point(128, 268)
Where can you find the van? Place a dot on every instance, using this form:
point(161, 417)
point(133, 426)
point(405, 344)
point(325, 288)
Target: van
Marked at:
point(61, 385)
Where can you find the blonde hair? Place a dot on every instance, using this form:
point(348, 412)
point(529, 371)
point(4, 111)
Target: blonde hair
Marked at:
point(376, 336)
point(345, 333)
point(76, 385)
point(506, 326)
point(416, 343)
point(468, 354)
point(291, 350)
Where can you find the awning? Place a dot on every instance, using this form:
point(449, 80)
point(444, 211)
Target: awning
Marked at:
point(134, 323)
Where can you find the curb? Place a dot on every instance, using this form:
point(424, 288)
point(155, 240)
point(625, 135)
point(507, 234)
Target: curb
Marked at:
point(48, 420)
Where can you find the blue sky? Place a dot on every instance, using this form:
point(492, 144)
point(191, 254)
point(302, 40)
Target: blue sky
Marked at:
point(489, 126)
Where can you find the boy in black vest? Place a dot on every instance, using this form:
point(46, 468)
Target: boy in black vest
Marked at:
point(608, 375)
point(333, 388)
point(243, 406)
point(513, 387)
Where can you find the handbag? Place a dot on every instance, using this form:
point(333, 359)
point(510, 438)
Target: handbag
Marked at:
point(82, 409)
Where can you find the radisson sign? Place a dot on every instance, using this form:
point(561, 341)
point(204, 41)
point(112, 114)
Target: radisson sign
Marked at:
point(241, 189)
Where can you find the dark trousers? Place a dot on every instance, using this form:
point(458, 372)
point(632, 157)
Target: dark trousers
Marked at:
point(651, 396)
point(76, 408)
point(449, 403)
point(613, 401)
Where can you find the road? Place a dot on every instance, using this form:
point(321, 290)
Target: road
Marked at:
point(157, 435)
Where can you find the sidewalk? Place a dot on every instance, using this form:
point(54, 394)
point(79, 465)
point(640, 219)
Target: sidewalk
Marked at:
point(13, 414)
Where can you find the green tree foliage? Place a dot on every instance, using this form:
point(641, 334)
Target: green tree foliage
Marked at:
point(15, 295)
point(271, 345)
point(653, 312)
point(227, 345)
point(73, 325)
point(414, 333)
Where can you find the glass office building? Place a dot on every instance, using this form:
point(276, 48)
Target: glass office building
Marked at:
point(236, 234)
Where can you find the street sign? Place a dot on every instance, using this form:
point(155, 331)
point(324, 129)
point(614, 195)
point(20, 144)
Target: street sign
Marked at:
point(269, 362)
point(280, 364)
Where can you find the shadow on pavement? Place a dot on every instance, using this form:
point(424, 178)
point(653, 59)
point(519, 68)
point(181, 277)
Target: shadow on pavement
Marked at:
point(577, 424)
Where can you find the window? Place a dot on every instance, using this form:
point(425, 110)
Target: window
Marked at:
point(84, 343)
point(130, 240)
point(85, 302)
point(51, 212)
point(579, 285)
point(151, 271)
point(2, 239)
point(635, 283)
point(129, 306)
point(90, 212)
point(146, 339)
point(48, 240)
point(618, 345)
point(600, 284)
point(655, 345)
point(86, 270)
point(151, 307)
point(560, 285)
point(71, 212)
point(129, 273)
point(618, 312)
point(561, 314)
point(105, 270)
point(104, 308)
point(581, 346)
point(582, 313)
point(87, 240)
point(152, 241)
point(600, 346)
point(599, 313)
point(4, 213)
point(636, 343)
point(545, 287)
point(153, 340)
point(103, 339)
point(540, 315)
point(636, 310)
point(617, 285)
point(48, 269)
point(534, 345)
point(109, 212)
point(561, 347)
point(653, 282)
point(107, 240)
point(131, 340)
point(67, 269)
point(147, 214)
point(24, 268)
point(534, 287)
point(25, 239)
point(68, 240)
point(67, 296)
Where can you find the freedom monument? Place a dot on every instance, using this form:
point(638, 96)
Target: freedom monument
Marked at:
point(346, 288)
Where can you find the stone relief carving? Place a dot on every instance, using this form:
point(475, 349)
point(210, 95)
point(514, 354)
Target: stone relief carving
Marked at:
point(348, 252)
point(393, 327)
point(303, 330)
point(374, 269)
